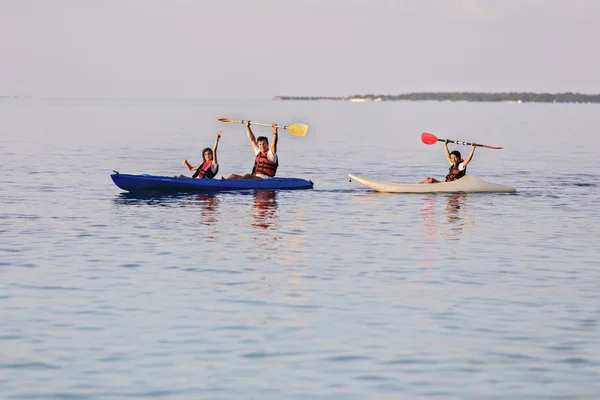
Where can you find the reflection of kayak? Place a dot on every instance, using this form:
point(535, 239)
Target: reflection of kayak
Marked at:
point(467, 184)
point(152, 183)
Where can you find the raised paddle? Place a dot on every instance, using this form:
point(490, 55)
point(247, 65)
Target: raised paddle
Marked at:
point(429, 138)
point(294, 129)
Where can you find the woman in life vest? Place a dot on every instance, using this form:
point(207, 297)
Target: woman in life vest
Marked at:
point(265, 161)
point(209, 167)
point(458, 166)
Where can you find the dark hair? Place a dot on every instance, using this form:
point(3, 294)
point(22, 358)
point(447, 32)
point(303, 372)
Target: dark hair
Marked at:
point(457, 154)
point(261, 138)
point(205, 150)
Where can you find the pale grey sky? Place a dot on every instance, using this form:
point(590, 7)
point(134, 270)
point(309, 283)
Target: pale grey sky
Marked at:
point(263, 48)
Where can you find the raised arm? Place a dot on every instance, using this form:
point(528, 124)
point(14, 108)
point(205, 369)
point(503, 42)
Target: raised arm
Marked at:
point(215, 162)
point(447, 152)
point(274, 141)
point(468, 160)
point(190, 167)
point(251, 137)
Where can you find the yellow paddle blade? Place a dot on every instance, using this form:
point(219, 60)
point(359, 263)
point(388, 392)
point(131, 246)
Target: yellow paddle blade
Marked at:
point(229, 120)
point(298, 129)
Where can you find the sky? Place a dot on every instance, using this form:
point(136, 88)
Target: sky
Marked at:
point(265, 48)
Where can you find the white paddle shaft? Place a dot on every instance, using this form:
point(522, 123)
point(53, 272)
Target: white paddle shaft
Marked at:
point(260, 124)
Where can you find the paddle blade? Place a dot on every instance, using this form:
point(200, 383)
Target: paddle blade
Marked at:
point(428, 138)
point(229, 120)
point(298, 129)
point(491, 147)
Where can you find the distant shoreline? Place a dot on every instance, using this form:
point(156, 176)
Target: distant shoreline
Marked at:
point(504, 97)
point(501, 97)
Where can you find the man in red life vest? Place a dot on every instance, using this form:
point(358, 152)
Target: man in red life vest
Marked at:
point(265, 162)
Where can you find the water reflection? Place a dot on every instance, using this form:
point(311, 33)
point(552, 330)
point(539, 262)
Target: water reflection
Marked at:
point(208, 201)
point(455, 211)
point(150, 199)
point(264, 205)
point(428, 215)
point(456, 214)
point(454, 203)
point(265, 209)
point(209, 204)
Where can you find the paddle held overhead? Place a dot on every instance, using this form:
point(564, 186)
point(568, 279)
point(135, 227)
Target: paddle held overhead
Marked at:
point(294, 129)
point(429, 138)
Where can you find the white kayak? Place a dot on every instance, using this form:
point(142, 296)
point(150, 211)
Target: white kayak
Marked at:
point(466, 184)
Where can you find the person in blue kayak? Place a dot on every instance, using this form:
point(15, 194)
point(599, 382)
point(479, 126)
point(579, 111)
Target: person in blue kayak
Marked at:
point(209, 167)
point(265, 161)
point(458, 166)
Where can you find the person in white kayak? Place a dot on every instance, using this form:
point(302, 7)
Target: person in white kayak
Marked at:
point(458, 166)
point(266, 161)
point(209, 167)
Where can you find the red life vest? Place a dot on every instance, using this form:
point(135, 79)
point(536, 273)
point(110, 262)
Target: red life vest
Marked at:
point(205, 170)
point(264, 166)
point(454, 173)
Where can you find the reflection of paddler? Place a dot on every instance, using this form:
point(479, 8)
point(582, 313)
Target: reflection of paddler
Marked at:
point(453, 206)
point(209, 203)
point(265, 206)
point(208, 200)
point(428, 215)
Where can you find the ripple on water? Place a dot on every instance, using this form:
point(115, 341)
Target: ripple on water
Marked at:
point(336, 293)
point(29, 366)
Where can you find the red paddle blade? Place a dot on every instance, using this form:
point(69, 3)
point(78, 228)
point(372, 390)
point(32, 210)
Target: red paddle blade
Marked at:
point(428, 138)
point(491, 147)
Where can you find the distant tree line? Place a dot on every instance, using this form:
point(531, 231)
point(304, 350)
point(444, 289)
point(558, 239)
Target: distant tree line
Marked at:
point(311, 98)
point(523, 97)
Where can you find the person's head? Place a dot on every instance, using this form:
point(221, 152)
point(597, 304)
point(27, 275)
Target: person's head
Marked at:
point(263, 144)
point(455, 157)
point(207, 154)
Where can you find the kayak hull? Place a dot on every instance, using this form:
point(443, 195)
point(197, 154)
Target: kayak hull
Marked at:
point(166, 184)
point(467, 184)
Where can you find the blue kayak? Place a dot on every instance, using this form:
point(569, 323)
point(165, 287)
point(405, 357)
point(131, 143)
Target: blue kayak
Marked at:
point(152, 183)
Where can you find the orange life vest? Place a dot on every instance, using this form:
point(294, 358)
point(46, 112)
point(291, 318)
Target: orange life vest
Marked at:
point(264, 166)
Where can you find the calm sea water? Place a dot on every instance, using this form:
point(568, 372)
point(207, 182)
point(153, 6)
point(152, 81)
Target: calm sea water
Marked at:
point(331, 293)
